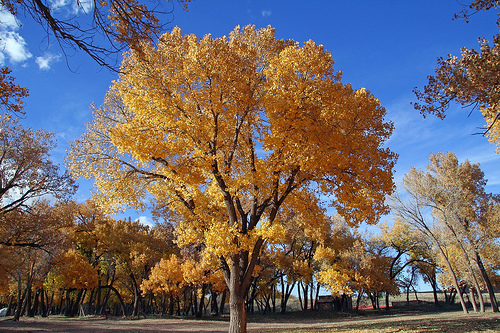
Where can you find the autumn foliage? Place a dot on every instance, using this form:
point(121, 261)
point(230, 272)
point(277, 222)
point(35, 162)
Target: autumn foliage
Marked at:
point(240, 146)
point(224, 131)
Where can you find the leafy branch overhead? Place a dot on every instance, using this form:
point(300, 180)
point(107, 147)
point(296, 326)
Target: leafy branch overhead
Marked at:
point(102, 29)
point(471, 80)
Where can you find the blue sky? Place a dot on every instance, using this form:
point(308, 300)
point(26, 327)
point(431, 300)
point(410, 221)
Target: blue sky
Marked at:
point(388, 47)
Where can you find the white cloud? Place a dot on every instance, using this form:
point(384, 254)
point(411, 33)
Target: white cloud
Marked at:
point(144, 220)
point(7, 20)
point(58, 4)
point(12, 45)
point(85, 5)
point(266, 12)
point(73, 7)
point(45, 62)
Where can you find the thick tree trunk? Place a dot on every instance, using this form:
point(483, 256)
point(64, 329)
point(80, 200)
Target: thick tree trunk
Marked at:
point(473, 299)
point(42, 303)
point(360, 294)
point(237, 314)
point(20, 303)
point(214, 306)
point(238, 276)
point(434, 289)
point(286, 291)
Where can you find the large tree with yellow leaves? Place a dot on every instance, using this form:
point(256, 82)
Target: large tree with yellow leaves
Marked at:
point(224, 131)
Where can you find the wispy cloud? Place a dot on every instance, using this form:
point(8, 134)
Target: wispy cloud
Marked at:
point(45, 62)
point(266, 12)
point(73, 7)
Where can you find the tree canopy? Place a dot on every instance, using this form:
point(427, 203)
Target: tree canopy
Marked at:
point(225, 131)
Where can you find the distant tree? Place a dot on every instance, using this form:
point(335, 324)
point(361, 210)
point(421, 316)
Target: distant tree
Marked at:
point(30, 242)
point(102, 29)
point(470, 80)
point(40, 226)
point(224, 131)
point(465, 215)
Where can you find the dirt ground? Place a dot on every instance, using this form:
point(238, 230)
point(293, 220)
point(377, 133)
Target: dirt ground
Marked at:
point(288, 323)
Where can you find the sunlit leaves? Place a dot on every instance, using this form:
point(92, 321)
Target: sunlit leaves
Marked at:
point(470, 80)
point(229, 133)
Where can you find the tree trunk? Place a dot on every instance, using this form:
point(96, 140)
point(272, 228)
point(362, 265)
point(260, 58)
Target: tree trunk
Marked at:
point(489, 286)
point(472, 300)
point(360, 294)
point(471, 270)
point(285, 294)
point(223, 302)
point(434, 289)
point(238, 313)
point(214, 306)
point(453, 276)
point(238, 276)
point(28, 304)
point(9, 305)
point(42, 303)
point(98, 297)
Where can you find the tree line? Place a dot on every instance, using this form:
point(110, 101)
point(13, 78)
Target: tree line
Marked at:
point(64, 257)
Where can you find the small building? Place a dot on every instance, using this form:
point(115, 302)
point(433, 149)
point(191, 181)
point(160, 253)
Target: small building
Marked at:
point(335, 303)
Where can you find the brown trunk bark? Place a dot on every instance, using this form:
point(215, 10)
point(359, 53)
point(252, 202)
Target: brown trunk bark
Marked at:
point(238, 313)
point(238, 276)
point(223, 302)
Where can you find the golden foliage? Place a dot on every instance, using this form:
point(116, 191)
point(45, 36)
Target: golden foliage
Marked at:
point(224, 128)
point(226, 132)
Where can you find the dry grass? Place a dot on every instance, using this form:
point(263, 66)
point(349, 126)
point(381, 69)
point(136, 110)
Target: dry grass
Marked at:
point(418, 318)
point(449, 322)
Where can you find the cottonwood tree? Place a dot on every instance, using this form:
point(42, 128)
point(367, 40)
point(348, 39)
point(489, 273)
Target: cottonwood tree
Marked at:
point(29, 243)
point(41, 226)
point(27, 173)
point(411, 249)
point(412, 209)
point(455, 192)
point(224, 131)
point(470, 79)
point(102, 29)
